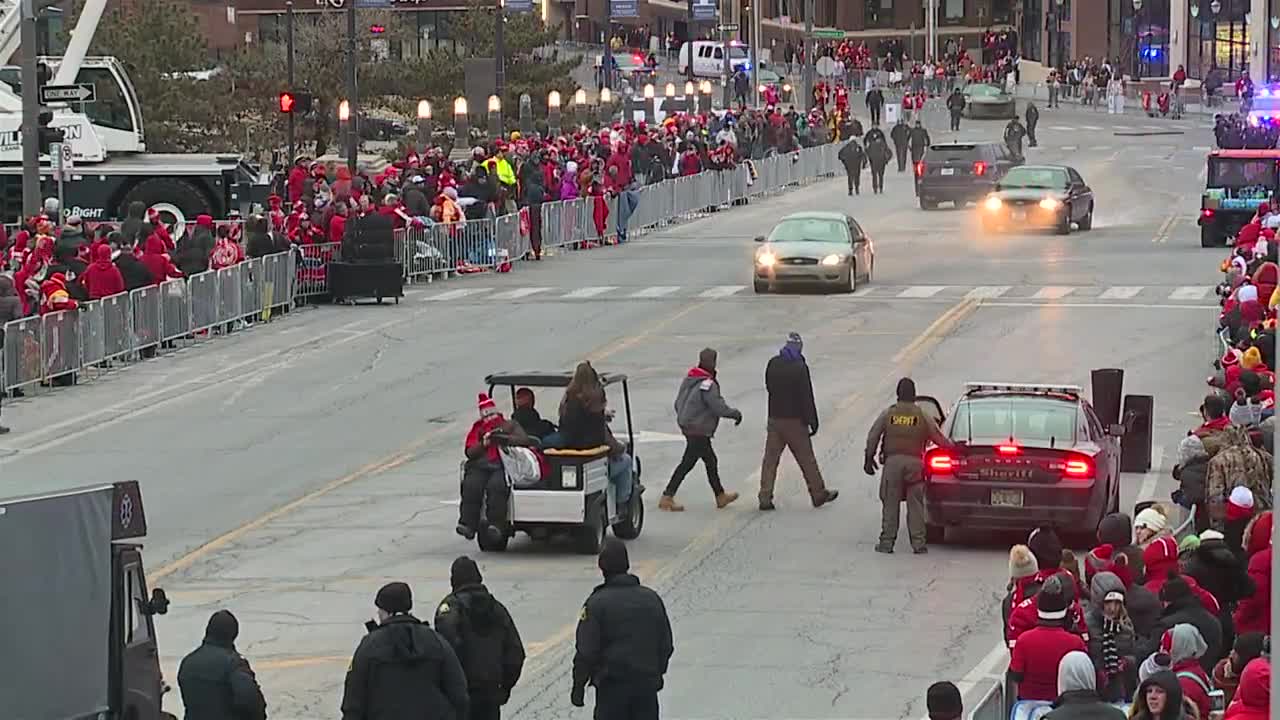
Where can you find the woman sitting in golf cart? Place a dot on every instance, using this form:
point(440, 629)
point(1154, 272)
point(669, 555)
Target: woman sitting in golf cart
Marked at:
point(584, 424)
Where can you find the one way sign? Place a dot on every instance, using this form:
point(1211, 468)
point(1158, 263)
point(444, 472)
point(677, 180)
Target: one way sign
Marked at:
point(80, 92)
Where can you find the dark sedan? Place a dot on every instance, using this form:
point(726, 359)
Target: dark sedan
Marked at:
point(1039, 196)
point(1025, 456)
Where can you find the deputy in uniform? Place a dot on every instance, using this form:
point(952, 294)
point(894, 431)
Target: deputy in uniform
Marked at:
point(904, 430)
point(624, 643)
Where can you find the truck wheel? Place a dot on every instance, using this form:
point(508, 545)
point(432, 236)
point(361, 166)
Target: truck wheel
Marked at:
point(492, 539)
point(177, 201)
point(629, 526)
point(590, 537)
point(1209, 237)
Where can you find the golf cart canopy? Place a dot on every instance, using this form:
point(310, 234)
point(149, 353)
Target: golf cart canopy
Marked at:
point(546, 379)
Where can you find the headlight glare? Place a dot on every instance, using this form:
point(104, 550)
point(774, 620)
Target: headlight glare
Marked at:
point(993, 203)
point(831, 260)
point(766, 259)
point(1049, 204)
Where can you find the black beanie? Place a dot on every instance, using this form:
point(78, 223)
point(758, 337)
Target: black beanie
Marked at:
point(464, 572)
point(394, 598)
point(1047, 548)
point(1175, 588)
point(943, 701)
point(613, 558)
point(223, 628)
point(906, 390)
point(1116, 530)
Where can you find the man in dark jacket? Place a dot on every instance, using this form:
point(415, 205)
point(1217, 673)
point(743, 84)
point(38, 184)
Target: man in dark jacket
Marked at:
point(1182, 606)
point(793, 421)
point(10, 310)
point(853, 158)
point(699, 407)
point(919, 141)
point(484, 637)
point(1033, 119)
point(135, 274)
point(878, 155)
point(875, 103)
point(624, 642)
point(216, 681)
point(901, 136)
point(1216, 568)
point(402, 668)
point(955, 105)
point(133, 228)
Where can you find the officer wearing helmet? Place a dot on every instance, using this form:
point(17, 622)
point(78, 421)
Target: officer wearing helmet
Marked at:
point(899, 436)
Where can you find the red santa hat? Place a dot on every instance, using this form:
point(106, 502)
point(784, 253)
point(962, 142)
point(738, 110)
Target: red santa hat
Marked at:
point(1240, 504)
point(1097, 560)
point(486, 406)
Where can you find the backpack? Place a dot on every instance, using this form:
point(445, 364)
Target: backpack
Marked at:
point(1199, 680)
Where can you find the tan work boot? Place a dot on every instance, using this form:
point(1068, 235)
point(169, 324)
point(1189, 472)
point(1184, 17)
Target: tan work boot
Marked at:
point(669, 504)
point(724, 498)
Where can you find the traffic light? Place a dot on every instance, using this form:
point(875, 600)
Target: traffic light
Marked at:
point(46, 135)
point(377, 29)
point(294, 103)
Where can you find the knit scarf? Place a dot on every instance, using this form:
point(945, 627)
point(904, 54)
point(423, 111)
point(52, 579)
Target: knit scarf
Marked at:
point(1110, 651)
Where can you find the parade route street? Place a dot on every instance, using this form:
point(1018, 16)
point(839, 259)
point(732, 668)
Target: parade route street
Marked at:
point(289, 473)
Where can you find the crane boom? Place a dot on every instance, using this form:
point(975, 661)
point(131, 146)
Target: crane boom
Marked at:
point(78, 46)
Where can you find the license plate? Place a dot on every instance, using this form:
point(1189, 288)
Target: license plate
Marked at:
point(1006, 498)
point(1019, 214)
point(948, 171)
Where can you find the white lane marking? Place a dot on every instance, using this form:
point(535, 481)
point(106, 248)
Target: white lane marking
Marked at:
point(1120, 293)
point(587, 292)
point(721, 291)
point(1147, 490)
point(1154, 127)
point(1095, 127)
point(987, 292)
point(1061, 127)
point(519, 293)
point(1070, 147)
point(455, 294)
point(1191, 292)
point(863, 292)
point(1101, 147)
point(1053, 293)
point(1109, 305)
point(1201, 148)
point(922, 291)
point(656, 291)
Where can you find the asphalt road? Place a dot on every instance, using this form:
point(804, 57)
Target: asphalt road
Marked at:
point(290, 472)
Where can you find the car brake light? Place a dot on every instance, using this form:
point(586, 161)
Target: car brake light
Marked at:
point(1207, 212)
point(1008, 449)
point(1078, 468)
point(920, 169)
point(979, 168)
point(941, 463)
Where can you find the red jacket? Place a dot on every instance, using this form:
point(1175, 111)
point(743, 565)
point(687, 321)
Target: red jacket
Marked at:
point(1191, 689)
point(337, 228)
point(157, 261)
point(1253, 696)
point(475, 436)
point(1265, 277)
point(103, 278)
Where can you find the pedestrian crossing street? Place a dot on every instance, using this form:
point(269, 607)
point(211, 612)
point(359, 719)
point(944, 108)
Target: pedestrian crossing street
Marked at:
point(1136, 294)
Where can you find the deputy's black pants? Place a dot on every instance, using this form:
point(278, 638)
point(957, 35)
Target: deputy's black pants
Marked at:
point(955, 120)
point(854, 178)
point(485, 707)
point(875, 114)
point(626, 702)
point(483, 484)
point(901, 155)
point(877, 178)
point(696, 448)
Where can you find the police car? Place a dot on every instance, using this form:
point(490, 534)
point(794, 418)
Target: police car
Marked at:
point(1025, 456)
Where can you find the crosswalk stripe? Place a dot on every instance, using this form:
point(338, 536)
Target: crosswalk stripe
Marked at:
point(587, 292)
point(1095, 127)
point(1053, 293)
point(1070, 147)
point(1061, 127)
point(455, 294)
point(1120, 293)
point(721, 291)
point(987, 292)
point(1201, 148)
point(656, 291)
point(519, 293)
point(1191, 292)
point(922, 291)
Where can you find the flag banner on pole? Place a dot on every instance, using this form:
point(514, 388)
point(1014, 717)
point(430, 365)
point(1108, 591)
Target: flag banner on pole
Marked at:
point(624, 8)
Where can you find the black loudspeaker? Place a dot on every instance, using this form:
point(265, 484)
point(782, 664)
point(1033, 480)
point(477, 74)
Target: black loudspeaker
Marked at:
point(1135, 446)
point(1108, 386)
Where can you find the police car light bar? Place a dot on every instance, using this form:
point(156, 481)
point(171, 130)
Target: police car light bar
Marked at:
point(972, 387)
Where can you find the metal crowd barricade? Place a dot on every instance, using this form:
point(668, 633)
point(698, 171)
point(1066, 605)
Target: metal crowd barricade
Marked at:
point(93, 332)
point(146, 316)
point(311, 269)
point(23, 363)
point(175, 310)
point(117, 324)
point(991, 706)
point(202, 290)
point(250, 298)
point(60, 343)
point(510, 237)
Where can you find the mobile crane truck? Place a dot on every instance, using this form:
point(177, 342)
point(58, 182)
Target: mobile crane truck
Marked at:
point(79, 637)
point(111, 167)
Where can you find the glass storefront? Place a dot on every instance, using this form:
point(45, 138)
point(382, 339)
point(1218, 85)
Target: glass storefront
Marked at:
point(1218, 39)
point(1152, 21)
point(1273, 41)
point(1121, 47)
point(1032, 19)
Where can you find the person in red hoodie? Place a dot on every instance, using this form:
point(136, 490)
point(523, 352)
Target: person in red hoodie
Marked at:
point(1253, 614)
point(102, 278)
point(297, 182)
point(1019, 608)
point(1160, 559)
point(1033, 663)
point(1182, 650)
point(1253, 696)
point(484, 481)
point(1265, 278)
point(157, 260)
point(338, 223)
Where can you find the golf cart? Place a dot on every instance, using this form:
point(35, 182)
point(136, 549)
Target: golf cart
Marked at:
point(576, 497)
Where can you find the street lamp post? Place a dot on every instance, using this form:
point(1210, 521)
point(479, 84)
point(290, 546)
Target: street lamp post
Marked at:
point(553, 113)
point(580, 107)
point(344, 131)
point(495, 117)
point(690, 97)
point(353, 93)
point(606, 105)
point(424, 125)
point(461, 124)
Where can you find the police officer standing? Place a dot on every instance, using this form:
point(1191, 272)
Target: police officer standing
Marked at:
point(875, 103)
point(624, 643)
point(853, 158)
point(901, 134)
point(955, 105)
point(403, 667)
point(904, 429)
point(483, 635)
point(919, 139)
point(1033, 118)
point(1013, 134)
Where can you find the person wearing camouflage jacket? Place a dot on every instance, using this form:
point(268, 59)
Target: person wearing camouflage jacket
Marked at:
point(1234, 461)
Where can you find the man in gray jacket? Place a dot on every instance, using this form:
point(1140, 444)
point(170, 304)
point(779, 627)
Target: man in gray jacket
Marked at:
point(699, 407)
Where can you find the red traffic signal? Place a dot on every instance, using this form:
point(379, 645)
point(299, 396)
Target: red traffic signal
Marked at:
point(287, 102)
point(377, 29)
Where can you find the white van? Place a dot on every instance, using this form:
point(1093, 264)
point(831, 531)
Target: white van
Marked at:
point(708, 57)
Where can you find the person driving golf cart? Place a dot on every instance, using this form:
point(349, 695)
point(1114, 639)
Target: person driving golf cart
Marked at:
point(484, 479)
